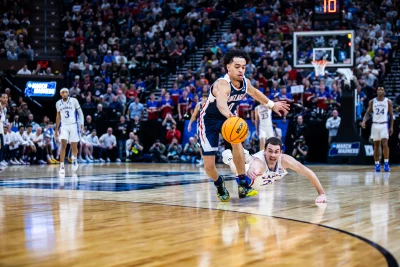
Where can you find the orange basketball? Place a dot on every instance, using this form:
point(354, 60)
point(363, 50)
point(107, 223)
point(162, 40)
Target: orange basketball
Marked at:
point(235, 130)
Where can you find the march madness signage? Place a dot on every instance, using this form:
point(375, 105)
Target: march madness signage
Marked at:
point(344, 149)
point(40, 89)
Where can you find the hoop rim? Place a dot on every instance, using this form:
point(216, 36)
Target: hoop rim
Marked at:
point(319, 66)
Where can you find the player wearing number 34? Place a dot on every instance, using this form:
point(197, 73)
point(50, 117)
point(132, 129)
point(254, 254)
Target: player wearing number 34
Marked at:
point(380, 107)
point(69, 122)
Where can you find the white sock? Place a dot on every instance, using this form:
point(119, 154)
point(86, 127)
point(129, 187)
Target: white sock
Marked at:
point(73, 157)
point(386, 160)
point(376, 162)
point(61, 164)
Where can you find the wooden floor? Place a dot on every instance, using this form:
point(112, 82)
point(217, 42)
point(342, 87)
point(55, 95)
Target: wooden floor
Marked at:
point(168, 215)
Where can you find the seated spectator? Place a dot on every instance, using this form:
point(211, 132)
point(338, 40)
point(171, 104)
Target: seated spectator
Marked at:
point(24, 71)
point(97, 148)
point(134, 148)
point(109, 143)
point(174, 151)
point(157, 151)
point(300, 150)
point(191, 151)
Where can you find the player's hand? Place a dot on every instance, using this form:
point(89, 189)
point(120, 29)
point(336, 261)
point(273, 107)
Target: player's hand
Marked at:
point(189, 128)
point(281, 106)
point(252, 174)
point(321, 199)
point(363, 124)
point(391, 131)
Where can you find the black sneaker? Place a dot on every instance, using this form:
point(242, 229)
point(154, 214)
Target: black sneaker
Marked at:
point(222, 192)
point(245, 190)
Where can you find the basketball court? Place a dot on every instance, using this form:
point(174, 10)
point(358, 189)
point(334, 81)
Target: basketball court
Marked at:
point(169, 215)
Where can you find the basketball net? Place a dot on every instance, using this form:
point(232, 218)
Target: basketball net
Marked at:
point(319, 66)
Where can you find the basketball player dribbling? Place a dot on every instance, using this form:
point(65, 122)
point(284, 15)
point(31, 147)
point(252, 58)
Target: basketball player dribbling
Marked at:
point(225, 95)
point(270, 165)
point(263, 122)
point(68, 113)
point(380, 107)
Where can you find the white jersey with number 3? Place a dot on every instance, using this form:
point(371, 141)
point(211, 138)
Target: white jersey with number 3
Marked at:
point(380, 110)
point(68, 110)
point(264, 114)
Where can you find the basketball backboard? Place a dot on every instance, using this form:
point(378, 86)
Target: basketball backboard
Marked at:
point(337, 47)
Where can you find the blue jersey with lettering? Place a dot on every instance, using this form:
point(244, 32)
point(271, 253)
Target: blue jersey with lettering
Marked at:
point(210, 109)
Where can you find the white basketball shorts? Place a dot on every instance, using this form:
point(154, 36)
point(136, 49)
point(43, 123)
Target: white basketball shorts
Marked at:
point(266, 132)
point(70, 133)
point(379, 131)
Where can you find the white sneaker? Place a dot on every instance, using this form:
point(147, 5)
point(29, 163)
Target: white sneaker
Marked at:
point(13, 162)
point(62, 170)
point(247, 156)
point(108, 160)
point(3, 164)
point(75, 165)
point(227, 156)
point(102, 160)
point(42, 162)
point(200, 163)
point(118, 160)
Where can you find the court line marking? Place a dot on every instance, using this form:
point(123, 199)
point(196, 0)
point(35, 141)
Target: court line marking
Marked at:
point(390, 259)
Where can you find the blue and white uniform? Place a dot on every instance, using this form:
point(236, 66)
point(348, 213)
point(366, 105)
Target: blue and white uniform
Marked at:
point(379, 129)
point(69, 128)
point(211, 119)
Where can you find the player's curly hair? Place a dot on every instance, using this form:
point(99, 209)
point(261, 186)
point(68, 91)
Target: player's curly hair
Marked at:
point(235, 52)
point(273, 141)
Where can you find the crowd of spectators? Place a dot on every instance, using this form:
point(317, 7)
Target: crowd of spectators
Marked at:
point(116, 53)
point(15, 37)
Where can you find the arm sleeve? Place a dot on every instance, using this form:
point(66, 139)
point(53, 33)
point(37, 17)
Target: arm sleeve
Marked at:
point(80, 113)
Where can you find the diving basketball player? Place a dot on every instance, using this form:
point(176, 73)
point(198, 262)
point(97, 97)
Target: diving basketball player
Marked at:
point(68, 113)
point(270, 164)
point(380, 106)
point(263, 122)
point(225, 95)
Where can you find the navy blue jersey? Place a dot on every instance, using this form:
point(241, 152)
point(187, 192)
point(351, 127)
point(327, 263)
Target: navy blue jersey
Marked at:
point(210, 109)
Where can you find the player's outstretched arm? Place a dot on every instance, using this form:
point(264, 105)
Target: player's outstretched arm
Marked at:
point(367, 114)
point(256, 168)
point(221, 91)
point(277, 107)
point(291, 163)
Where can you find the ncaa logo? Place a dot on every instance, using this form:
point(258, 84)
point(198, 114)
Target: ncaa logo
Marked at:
point(239, 128)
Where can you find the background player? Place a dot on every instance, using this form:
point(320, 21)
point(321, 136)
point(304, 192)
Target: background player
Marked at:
point(68, 112)
point(225, 95)
point(380, 106)
point(270, 164)
point(196, 111)
point(263, 122)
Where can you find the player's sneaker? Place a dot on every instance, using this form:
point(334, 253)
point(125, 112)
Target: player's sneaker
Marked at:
point(222, 192)
point(75, 165)
point(62, 170)
point(245, 190)
point(377, 167)
point(227, 156)
point(386, 167)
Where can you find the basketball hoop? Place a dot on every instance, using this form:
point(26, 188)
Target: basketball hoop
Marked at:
point(319, 66)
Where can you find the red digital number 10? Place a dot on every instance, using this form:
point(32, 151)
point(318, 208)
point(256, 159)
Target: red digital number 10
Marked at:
point(329, 6)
